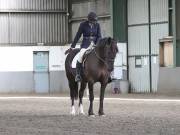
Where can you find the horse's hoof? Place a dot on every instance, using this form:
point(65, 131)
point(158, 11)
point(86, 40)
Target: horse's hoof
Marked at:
point(103, 115)
point(81, 113)
point(92, 115)
point(72, 114)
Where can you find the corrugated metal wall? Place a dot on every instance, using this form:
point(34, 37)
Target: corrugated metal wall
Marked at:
point(137, 11)
point(33, 4)
point(81, 8)
point(139, 77)
point(4, 28)
point(138, 40)
point(138, 45)
point(28, 22)
point(159, 10)
point(145, 77)
point(159, 29)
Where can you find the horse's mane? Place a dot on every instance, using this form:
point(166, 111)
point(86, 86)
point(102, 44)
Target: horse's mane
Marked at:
point(102, 42)
point(107, 41)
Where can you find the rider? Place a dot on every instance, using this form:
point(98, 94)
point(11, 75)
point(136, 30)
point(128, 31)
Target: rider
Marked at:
point(91, 32)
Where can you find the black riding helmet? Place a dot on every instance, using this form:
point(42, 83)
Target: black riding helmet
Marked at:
point(92, 17)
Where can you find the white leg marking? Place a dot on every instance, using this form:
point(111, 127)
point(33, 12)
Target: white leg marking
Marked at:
point(81, 110)
point(73, 110)
point(87, 92)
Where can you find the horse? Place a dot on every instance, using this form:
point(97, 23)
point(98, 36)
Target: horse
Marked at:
point(97, 67)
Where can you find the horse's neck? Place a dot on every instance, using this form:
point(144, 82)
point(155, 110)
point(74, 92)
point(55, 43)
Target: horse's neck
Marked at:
point(99, 53)
point(104, 60)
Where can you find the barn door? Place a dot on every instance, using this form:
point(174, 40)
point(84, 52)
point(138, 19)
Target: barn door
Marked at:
point(41, 72)
point(147, 23)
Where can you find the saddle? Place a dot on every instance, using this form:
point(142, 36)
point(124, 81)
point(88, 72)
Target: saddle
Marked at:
point(87, 52)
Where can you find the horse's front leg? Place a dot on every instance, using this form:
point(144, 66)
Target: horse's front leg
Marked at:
point(81, 93)
point(73, 110)
point(91, 98)
point(101, 111)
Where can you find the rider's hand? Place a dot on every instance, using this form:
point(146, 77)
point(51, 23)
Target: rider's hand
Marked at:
point(68, 51)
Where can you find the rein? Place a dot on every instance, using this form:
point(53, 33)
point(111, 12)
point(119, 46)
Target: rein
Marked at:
point(98, 57)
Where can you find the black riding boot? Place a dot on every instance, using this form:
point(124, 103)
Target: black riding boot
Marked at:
point(78, 72)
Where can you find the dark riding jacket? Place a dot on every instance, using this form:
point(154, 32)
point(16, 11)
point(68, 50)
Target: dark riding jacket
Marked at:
point(90, 33)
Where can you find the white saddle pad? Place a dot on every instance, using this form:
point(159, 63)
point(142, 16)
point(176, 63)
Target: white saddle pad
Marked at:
point(73, 64)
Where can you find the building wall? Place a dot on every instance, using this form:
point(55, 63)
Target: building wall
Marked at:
point(16, 69)
point(119, 9)
point(177, 13)
point(169, 82)
point(28, 22)
point(25, 24)
point(147, 23)
point(42, 25)
point(80, 10)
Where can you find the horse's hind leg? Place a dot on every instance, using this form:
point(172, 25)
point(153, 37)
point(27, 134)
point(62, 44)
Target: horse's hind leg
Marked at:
point(91, 98)
point(81, 93)
point(73, 93)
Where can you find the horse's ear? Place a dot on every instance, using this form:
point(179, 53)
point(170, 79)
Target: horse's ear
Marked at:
point(109, 40)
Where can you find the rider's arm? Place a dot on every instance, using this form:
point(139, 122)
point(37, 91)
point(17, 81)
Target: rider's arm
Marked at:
point(77, 37)
point(98, 34)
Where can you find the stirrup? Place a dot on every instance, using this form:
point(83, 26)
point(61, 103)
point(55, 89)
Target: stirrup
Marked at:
point(111, 79)
point(77, 78)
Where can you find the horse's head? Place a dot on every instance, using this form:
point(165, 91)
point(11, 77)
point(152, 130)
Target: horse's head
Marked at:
point(107, 48)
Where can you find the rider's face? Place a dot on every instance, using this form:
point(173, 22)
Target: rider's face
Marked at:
point(92, 22)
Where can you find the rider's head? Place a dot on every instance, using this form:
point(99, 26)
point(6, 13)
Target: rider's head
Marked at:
point(92, 17)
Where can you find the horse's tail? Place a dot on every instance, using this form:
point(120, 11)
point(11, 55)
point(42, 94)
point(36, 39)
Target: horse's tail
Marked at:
point(70, 73)
point(73, 89)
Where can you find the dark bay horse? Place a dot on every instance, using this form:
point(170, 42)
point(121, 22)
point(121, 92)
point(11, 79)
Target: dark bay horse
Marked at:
point(98, 65)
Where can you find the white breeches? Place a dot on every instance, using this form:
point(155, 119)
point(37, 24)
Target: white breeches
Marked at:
point(80, 55)
point(82, 51)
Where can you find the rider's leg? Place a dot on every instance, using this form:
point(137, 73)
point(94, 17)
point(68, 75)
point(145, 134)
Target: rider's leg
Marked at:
point(78, 71)
point(79, 65)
